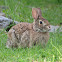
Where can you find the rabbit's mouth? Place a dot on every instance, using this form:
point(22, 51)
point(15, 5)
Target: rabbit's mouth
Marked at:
point(44, 30)
point(41, 30)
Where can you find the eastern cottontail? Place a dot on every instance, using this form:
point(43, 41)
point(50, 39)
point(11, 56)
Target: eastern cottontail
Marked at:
point(27, 34)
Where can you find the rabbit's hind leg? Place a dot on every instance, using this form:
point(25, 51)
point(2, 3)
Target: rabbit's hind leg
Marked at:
point(12, 40)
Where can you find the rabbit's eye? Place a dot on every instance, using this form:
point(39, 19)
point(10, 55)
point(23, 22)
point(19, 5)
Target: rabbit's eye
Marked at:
point(40, 22)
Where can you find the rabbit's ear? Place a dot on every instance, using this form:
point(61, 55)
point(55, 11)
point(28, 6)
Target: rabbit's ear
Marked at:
point(39, 12)
point(36, 12)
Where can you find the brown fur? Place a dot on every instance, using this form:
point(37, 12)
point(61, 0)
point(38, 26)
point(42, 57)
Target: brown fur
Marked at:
point(27, 34)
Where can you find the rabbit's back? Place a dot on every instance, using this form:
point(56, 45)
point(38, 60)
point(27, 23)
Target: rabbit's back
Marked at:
point(21, 27)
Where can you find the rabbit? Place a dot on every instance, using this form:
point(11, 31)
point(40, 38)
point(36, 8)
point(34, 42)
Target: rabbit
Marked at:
point(28, 34)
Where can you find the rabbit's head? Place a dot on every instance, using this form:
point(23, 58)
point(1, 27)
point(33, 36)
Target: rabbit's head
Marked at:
point(40, 24)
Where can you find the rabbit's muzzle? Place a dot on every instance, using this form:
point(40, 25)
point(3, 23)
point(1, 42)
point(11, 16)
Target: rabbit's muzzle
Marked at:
point(46, 28)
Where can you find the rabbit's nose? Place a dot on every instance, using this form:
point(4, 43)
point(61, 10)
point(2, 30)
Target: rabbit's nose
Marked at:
point(49, 27)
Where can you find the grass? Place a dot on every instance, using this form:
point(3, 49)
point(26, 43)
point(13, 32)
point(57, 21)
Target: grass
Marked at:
point(20, 10)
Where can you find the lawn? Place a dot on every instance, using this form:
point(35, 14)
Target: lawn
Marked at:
point(21, 10)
